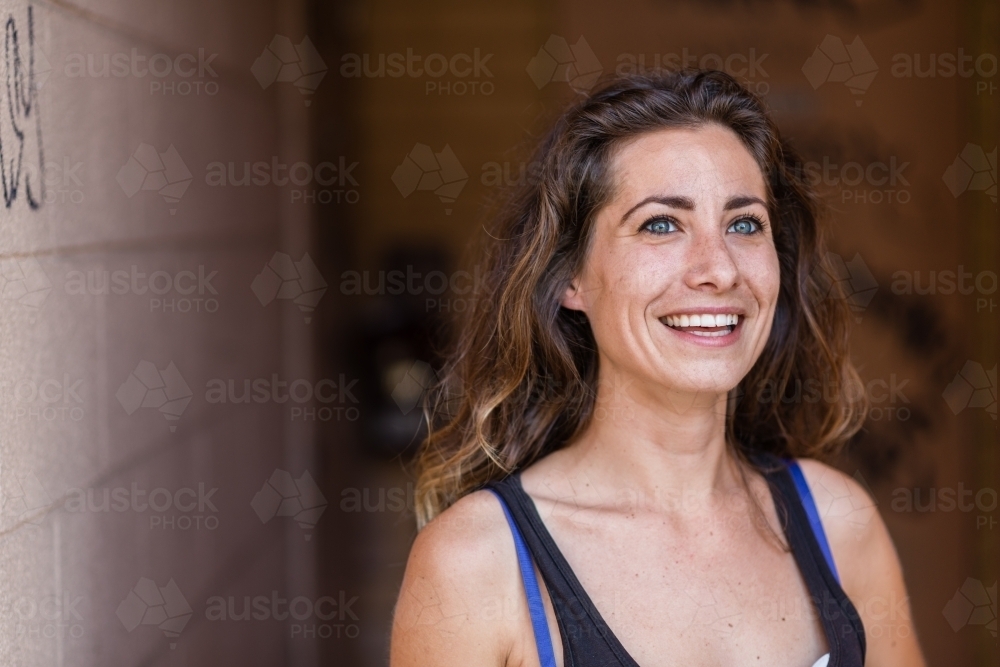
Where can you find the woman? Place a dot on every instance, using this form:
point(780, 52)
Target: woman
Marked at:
point(617, 470)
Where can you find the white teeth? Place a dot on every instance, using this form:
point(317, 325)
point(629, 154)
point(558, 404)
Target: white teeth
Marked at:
point(706, 320)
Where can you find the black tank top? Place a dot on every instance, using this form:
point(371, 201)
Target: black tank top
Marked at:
point(588, 641)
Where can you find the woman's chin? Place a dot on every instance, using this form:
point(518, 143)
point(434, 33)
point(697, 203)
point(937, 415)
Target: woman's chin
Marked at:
point(708, 378)
point(699, 394)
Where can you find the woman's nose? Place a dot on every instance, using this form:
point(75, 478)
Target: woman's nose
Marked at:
point(711, 264)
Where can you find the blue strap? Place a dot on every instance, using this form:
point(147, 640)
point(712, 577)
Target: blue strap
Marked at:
point(538, 622)
point(805, 495)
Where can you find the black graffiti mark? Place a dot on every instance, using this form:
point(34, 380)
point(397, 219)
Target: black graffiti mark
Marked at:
point(20, 113)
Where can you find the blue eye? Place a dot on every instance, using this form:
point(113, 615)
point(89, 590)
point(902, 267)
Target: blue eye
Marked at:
point(747, 226)
point(660, 225)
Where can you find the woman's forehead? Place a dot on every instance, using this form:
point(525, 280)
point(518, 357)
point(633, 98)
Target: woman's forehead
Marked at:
point(705, 161)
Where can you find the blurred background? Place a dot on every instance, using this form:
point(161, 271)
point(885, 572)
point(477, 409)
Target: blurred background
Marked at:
point(234, 234)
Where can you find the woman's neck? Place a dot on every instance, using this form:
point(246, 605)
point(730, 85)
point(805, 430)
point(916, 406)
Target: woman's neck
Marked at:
point(654, 442)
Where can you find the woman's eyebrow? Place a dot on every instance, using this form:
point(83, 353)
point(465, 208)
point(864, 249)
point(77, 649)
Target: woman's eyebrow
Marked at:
point(687, 204)
point(673, 201)
point(741, 201)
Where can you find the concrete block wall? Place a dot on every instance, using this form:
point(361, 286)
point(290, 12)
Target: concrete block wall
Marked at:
point(126, 488)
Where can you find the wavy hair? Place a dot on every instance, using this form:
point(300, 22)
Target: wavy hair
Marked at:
point(520, 379)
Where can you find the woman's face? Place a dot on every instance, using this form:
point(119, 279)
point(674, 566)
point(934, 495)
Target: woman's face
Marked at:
point(682, 276)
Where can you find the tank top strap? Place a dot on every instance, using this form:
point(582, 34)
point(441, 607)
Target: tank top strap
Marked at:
point(587, 640)
point(803, 529)
point(536, 609)
point(809, 505)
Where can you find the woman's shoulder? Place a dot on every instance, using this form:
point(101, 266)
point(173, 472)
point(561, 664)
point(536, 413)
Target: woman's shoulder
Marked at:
point(846, 508)
point(858, 537)
point(870, 571)
point(461, 569)
point(469, 531)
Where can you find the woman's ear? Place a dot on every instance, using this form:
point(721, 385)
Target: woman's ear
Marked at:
point(572, 298)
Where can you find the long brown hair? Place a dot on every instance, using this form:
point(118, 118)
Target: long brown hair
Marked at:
point(520, 380)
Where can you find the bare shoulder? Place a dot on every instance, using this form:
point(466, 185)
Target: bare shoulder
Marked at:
point(460, 571)
point(473, 526)
point(868, 564)
point(852, 523)
point(850, 515)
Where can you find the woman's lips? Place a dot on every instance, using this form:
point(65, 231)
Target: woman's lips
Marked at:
point(706, 320)
point(714, 329)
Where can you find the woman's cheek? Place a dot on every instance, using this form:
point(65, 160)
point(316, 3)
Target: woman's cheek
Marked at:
point(649, 270)
point(763, 274)
point(775, 277)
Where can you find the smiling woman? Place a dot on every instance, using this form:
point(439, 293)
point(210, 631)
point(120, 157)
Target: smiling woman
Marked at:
point(601, 422)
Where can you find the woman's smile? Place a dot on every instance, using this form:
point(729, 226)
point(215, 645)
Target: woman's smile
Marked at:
point(711, 327)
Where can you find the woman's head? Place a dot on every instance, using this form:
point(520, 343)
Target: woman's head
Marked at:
point(658, 198)
point(680, 278)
